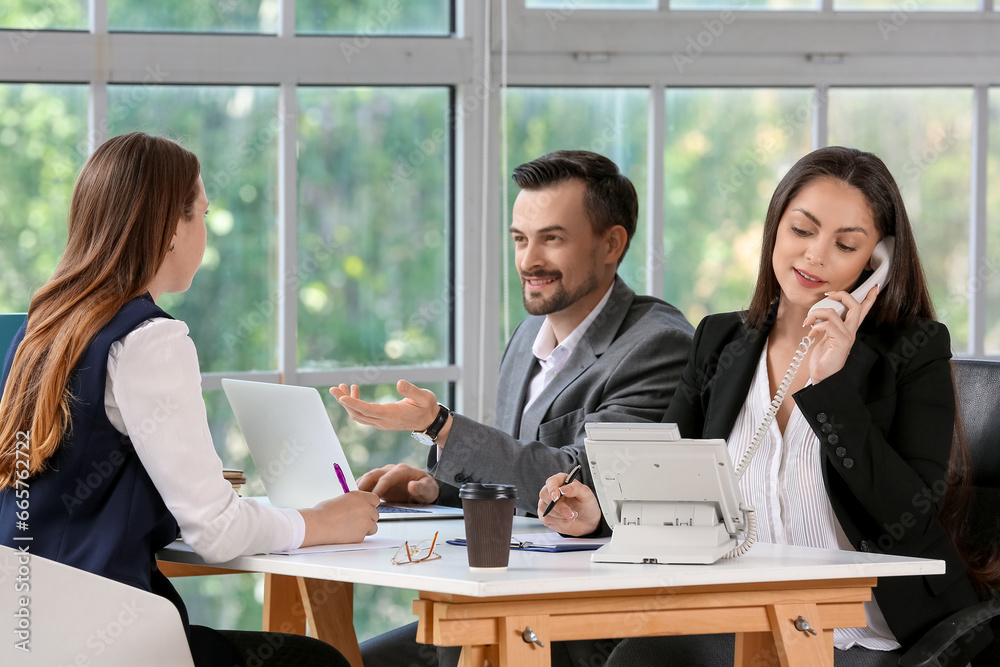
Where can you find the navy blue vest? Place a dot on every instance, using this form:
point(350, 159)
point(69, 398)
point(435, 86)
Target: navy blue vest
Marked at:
point(94, 506)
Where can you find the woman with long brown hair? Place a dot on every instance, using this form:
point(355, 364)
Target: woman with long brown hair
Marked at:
point(101, 389)
point(862, 458)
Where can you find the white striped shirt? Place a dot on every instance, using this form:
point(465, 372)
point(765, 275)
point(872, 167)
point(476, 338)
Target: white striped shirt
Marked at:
point(784, 483)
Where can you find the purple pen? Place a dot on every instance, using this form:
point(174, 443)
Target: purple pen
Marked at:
point(340, 476)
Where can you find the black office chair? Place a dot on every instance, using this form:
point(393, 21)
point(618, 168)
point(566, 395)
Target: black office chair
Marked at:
point(953, 640)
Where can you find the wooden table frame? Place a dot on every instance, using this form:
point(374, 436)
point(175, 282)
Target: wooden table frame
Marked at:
point(761, 614)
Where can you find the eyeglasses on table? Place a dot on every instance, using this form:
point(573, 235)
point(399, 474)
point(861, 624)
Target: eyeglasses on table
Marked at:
point(416, 553)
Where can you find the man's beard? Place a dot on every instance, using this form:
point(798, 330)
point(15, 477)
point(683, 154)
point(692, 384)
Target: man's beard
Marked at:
point(559, 300)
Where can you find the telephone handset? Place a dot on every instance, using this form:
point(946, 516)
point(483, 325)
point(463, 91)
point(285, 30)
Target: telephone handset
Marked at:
point(880, 274)
point(880, 261)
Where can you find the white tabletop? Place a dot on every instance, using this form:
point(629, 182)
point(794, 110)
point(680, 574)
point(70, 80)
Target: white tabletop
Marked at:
point(534, 572)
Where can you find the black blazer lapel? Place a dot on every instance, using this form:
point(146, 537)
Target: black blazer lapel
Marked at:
point(736, 365)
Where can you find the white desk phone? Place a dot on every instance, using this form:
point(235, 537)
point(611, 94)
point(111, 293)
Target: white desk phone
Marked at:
point(674, 500)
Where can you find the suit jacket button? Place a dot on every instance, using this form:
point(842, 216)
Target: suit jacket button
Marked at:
point(459, 477)
point(848, 463)
point(864, 546)
point(833, 438)
point(826, 428)
point(821, 418)
point(841, 451)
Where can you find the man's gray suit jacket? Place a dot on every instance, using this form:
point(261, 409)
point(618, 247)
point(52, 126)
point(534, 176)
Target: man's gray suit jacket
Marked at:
point(625, 368)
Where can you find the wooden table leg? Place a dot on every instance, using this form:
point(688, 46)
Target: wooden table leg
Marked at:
point(283, 610)
point(515, 651)
point(472, 656)
point(329, 607)
point(796, 647)
point(756, 649)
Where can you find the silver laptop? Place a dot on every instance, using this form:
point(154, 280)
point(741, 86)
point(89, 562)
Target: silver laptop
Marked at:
point(296, 450)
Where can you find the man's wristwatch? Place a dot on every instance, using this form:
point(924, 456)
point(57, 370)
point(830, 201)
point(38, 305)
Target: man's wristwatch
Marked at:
point(429, 437)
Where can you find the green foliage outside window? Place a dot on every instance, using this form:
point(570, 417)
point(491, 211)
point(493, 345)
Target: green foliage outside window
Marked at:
point(726, 150)
point(374, 227)
point(928, 151)
point(43, 145)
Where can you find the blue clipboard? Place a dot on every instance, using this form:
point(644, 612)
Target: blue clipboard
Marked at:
point(527, 545)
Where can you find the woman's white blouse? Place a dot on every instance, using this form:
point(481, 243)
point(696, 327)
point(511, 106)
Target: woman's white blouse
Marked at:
point(153, 395)
point(784, 484)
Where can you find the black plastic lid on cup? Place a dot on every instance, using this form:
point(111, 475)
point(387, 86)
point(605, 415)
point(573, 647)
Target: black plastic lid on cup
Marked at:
point(477, 491)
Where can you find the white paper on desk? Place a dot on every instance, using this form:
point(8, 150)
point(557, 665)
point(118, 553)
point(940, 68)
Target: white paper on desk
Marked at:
point(370, 543)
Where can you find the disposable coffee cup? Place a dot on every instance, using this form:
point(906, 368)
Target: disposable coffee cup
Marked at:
point(489, 517)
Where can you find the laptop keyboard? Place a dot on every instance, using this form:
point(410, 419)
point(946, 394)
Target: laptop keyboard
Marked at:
point(396, 509)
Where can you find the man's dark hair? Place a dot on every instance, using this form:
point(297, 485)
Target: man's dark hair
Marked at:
point(609, 199)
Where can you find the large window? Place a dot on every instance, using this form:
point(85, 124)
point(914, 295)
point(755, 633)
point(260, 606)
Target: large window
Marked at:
point(351, 151)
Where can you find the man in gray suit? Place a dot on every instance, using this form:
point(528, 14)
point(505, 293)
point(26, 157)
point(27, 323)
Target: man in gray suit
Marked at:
point(592, 350)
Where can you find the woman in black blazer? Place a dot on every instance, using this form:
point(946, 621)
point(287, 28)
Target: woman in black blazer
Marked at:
point(860, 458)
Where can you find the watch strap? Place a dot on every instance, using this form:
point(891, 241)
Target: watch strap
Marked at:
point(434, 429)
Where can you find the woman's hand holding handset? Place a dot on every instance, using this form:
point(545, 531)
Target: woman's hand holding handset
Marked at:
point(577, 513)
point(834, 336)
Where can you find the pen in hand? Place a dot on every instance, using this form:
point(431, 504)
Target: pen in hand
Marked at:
point(569, 478)
point(341, 478)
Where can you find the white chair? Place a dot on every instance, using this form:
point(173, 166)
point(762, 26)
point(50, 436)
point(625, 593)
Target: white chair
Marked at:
point(73, 617)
